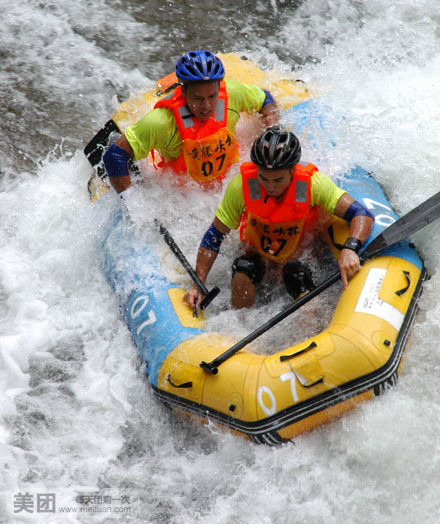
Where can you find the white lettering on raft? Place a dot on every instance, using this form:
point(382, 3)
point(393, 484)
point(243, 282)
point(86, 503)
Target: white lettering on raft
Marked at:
point(381, 219)
point(290, 375)
point(369, 301)
point(142, 302)
point(272, 409)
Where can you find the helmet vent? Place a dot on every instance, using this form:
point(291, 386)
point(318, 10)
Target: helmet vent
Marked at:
point(276, 148)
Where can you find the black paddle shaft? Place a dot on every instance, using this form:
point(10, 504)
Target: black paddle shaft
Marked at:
point(212, 366)
point(416, 219)
point(209, 295)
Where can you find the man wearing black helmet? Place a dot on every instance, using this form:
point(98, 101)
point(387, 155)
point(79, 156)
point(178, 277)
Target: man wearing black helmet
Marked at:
point(193, 128)
point(274, 201)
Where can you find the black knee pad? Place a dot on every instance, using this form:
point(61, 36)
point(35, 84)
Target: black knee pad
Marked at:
point(297, 278)
point(251, 265)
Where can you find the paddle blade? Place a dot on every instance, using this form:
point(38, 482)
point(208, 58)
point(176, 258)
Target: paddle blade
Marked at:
point(95, 149)
point(416, 219)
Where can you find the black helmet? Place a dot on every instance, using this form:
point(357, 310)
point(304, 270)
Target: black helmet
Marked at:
point(276, 149)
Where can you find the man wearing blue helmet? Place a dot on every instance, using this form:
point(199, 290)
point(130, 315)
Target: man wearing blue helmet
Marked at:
point(193, 128)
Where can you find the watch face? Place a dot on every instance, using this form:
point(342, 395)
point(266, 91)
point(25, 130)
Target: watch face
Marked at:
point(353, 243)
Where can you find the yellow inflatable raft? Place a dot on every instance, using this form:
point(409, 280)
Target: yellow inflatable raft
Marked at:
point(269, 398)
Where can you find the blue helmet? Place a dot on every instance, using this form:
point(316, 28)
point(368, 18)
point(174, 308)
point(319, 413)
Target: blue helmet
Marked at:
point(198, 66)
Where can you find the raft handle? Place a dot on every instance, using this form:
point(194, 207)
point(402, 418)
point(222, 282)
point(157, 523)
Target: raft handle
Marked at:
point(319, 381)
point(168, 89)
point(331, 234)
point(405, 289)
point(286, 357)
point(211, 367)
point(184, 385)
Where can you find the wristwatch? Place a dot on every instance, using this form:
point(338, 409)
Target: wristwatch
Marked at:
point(353, 243)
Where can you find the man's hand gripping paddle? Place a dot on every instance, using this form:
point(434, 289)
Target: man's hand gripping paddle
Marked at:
point(94, 152)
point(209, 295)
point(413, 221)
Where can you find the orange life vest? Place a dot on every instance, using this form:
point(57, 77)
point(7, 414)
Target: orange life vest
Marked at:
point(209, 147)
point(275, 228)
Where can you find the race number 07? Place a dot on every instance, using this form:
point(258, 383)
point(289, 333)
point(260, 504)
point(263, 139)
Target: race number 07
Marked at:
point(271, 409)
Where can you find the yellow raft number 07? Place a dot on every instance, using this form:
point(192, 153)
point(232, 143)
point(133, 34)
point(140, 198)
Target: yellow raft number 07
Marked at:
point(272, 409)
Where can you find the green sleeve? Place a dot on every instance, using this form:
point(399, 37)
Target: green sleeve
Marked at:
point(156, 130)
point(244, 97)
point(232, 205)
point(325, 193)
